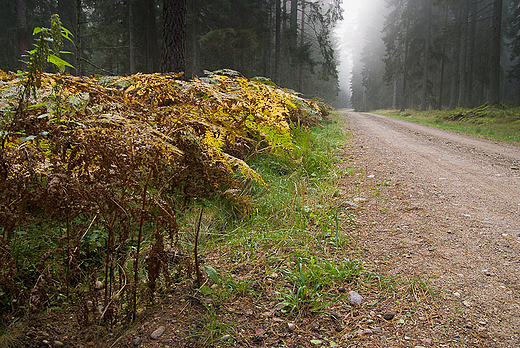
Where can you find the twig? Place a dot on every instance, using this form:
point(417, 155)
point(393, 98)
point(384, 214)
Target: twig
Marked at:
point(195, 250)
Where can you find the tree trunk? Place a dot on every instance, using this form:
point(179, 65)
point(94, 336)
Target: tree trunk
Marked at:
point(424, 95)
point(152, 35)
point(278, 42)
point(79, 63)
point(454, 88)
point(174, 37)
point(21, 21)
point(494, 76)
point(470, 100)
point(394, 97)
point(463, 76)
point(302, 42)
point(131, 39)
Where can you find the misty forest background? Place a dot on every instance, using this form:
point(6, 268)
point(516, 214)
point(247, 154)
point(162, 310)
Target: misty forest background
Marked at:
point(409, 53)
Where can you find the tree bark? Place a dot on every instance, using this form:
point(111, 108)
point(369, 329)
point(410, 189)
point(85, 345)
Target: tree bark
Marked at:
point(463, 76)
point(302, 42)
point(174, 37)
point(152, 36)
point(494, 75)
point(21, 20)
point(79, 63)
point(131, 39)
point(277, 45)
point(470, 100)
point(424, 95)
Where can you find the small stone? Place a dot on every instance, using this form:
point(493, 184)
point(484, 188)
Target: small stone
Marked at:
point(407, 338)
point(158, 332)
point(456, 293)
point(450, 232)
point(291, 327)
point(467, 303)
point(278, 320)
point(427, 340)
point(58, 344)
point(137, 341)
point(372, 313)
point(315, 326)
point(342, 289)
point(98, 285)
point(367, 332)
point(354, 298)
point(259, 331)
point(482, 323)
point(388, 316)
point(225, 338)
point(419, 347)
point(45, 342)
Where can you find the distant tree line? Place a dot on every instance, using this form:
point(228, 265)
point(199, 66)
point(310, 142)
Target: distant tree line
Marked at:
point(288, 41)
point(441, 54)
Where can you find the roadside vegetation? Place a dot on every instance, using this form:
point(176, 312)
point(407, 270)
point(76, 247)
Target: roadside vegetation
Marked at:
point(500, 123)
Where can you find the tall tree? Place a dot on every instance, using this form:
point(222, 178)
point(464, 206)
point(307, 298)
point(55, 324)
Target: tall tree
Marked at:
point(131, 39)
point(22, 28)
point(278, 40)
point(424, 93)
point(174, 36)
point(494, 72)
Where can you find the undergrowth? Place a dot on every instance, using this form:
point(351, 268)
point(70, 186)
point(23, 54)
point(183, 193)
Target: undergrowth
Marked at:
point(497, 123)
point(100, 178)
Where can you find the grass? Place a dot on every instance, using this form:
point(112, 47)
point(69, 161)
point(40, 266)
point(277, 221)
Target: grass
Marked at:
point(499, 124)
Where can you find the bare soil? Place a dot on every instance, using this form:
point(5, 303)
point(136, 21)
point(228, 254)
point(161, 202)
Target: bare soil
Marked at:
point(447, 211)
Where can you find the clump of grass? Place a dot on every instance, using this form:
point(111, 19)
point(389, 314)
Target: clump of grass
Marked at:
point(498, 123)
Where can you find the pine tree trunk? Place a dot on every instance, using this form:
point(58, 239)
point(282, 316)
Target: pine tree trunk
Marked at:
point(131, 39)
point(470, 100)
point(494, 76)
point(79, 63)
point(463, 76)
point(152, 35)
point(21, 21)
point(302, 42)
point(174, 37)
point(424, 95)
point(454, 88)
point(278, 42)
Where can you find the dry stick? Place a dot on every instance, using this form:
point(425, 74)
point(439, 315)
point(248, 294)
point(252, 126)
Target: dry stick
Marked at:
point(141, 222)
point(68, 259)
point(195, 249)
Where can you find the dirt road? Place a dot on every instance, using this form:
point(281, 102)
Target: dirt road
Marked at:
point(444, 209)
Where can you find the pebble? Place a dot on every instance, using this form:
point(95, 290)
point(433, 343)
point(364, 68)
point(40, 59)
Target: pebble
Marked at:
point(58, 344)
point(158, 333)
point(225, 338)
point(367, 332)
point(137, 341)
point(291, 327)
point(389, 315)
point(354, 298)
point(419, 347)
point(456, 293)
point(98, 285)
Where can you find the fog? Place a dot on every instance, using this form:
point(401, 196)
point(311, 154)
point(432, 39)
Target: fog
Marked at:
point(360, 19)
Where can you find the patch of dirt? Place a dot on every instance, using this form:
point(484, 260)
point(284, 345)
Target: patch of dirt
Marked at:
point(443, 208)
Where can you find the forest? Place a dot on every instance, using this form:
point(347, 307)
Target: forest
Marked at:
point(439, 55)
point(289, 42)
